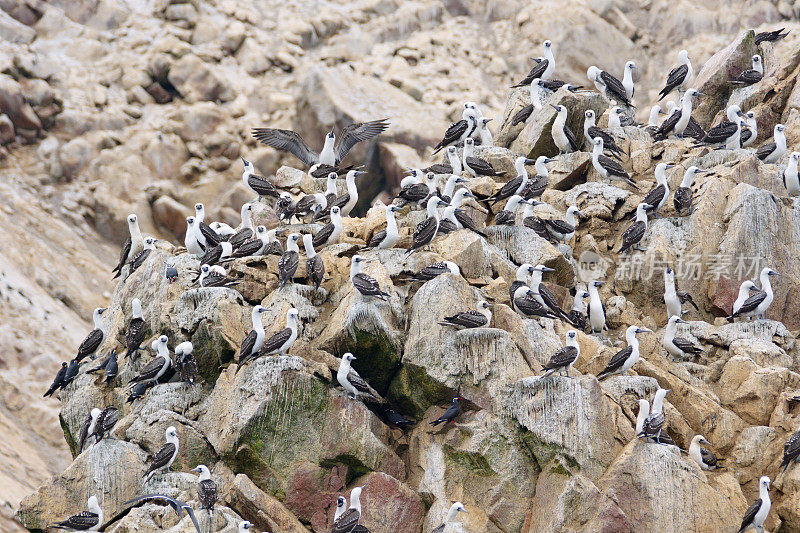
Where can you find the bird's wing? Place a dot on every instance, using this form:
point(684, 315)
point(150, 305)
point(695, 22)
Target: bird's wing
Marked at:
point(675, 78)
point(684, 345)
point(618, 359)
point(360, 384)
point(695, 130)
point(90, 343)
point(248, 248)
point(765, 149)
point(425, 230)
point(655, 195)
point(273, 343)
point(162, 456)
point(151, 370)
point(612, 166)
point(522, 115)
point(562, 358)
point(745, 135)
point(750, 515)
point(238, 238)
point(791, 449)
point(466, 221)
point(262, 186)
point(108, 419)
point(123, 254)
point(80, 522)
point(634, 233)
point(609, 143)
point(376, 238)
point(536, 72)
point(288, 263)
point(708, 458)
point(615, 87)
point(560, 226)
point(139, 259)
point(508, 189)
point(684, 297)
point(453, 133)
point(481, 166)
point(346, 522)
point(748, 77)
point(357, 132)
point(720, 132)
point(366, 284)
point(135, 334)
point(207, 492)
point(211, 236)
point(505, 218)
point(468, 319)
point(342, 200)
point(287, 141)
point(683, 197)
point(573, 141)
point(84, 432)
point(751, 303)
point(669, 123)
point(322, 236)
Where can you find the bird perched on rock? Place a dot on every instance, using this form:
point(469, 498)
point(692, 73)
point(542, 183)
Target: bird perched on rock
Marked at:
point(654, 423)
point(89, 520)
point(564, 358)
point(678, 347)
point(347, 201)
point(450, 415)
point(386, 238)
point(132, 246)
point(315, 268)
point(478, 318)
point(365, 284)
point(758, 303)
point(290, 260)
point(58, 381)
point(791, 451)
point(773, 150)
point(673, 298)
point(215, 276)
point(658, 195)
point(88, 427)
point(475, 165)
point(563, 137)
point(165, 456)
point(680, 77)
point(564, 230)
point(185, 362)
point(349, 519)
point(281, 342)
point(577, 314)
point(543, 69)
point(522, 275)
point(258, 184)
point(596, 310)
point(436, 269)
point(751, 75)
point(330, 232)
point(623, 360)
point(791, 177)
point(591, 131)
point(745, 290)
point(452, 515)
point(703, 457)
point(206, 488)
point(396, 420)
point(515, 185)
point(459, 131)
point(607, 167)
point(635, 232)
point(95, 337)
point(542, 294)
point(756, 514)
point(426, 230)
point(158, 365)
point(683, 196)
point(140, 258)
point(353, 384)
point(727, 133)
point(418, 192)
point(508, 216)
point(254, 340)
point(525, 303)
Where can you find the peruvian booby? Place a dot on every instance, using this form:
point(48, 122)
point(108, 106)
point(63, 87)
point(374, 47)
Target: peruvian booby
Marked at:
point(448, 222)
point(627, 79)
point(749, 129)
point(177, 506)
point(451, 518)
point(215, 276)
point(757, 304)
point(437, 269)
point(450, 414)
point(653, 425)
point(617, 119)
point(678, 120)
point(105, 422)
point(289, 261)
point(475, 165)
point(678, 347)
point(133, 245)
point(315, 268)
point(349, 519)
point(281, 342)
point(88, 427)
point(563, 137)
point(610, 86)
point(245, 229)
point(222, 229)
point(635, 232)
point(158, 365)
point(95, 337)
point(751, 75)
point(508, 216)
point(673, 298)
point(206, 489)
point(347, 201)
point(791, 451)
point(607, 167)
point(311, 204)
point(165, 456)
point(757, 513)
point(770, 36)
point(623, 360)
point(542, 294)
point(521, 277)
point(703, 457)
point(191, 240)
point(136, 331)
point(543, 69)
point(596, 310)
point(564, 358)
point(215, 254)
point(139, 259)
point(727, 133)
point(331, 194)
point(205, 235)
point(341, 507)
point(58, 381)
point(684, 196)
point(564, 230)
point(484, 133)
point(450, 187)
point(538, 184)
point(185, 362)
point(652, 120)
point(679, 77)
point(330, 232)
point(525, 303)
point(353, 384)
point(459, 131)
point(745, 289)
point(258, 184)
point(426, 230)
point(332, 152)
point(452, 166)
point(256, 246)
point(533, 222)
point(89, 520)
point(365, 284)
point(591, 130)
point(516, 185)
point(284, 208)
point(254, 340)
point(791, 179)
point(478, 318)
point(641, 416)
point(657, 196)
point(772, 151)
point(577, 314)
point(386, 238)
point(419, 192)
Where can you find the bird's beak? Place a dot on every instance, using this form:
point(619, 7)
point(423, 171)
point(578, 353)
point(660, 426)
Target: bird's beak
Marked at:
point(599, 282)
point(741, 114)
point(549, 160)
point(461, 180)
point(360, 172)
point(547, 269)
point(670, 165)
point(489, 119)
point(698, 93)
point(554, 107)
point(530, 161)
point(244, 161)
point(462, 510)
point(704, 441)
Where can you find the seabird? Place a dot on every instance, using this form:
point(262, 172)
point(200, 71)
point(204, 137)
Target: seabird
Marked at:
point(563, 137)
point(341, 507)
point(330, 232)
point(623, 360)
point(791, 180)
point(770, 36)
point(347, 201)
point(484, 133)
point(279, 343)
point(683, 194)
point(678, 347)
point(459, 131)
point(191, 240)
point(205, 235)
point(481, 317)
point(397, 421)
point(627, 79)
point(426, 230)
point(315, 268)
point(654, 423)
point(215, 254)
point(578, 313)
point(538, 94)
point(170, 273)
point(105, 422)
point(88, 427)
point(287, 265)
point(543, 294)
point(675, 298)
point(635, 232)
point(749, 129)
point(791, 451)
point(448, 222)
point(641, 415)
point(703, 457)
point(535, 223)
point(245, 230)
point(462, 219)
point(657, 196)
point(331, 194)
point(757, 513)
point(284, 208)
point(133, 245)
point(450, 415)
point(58, 381)
point(139, 259)
point(522, 276)
point(95, 337)
point(349, 519)
point(89, 520)
point(596, 310)
point(538, 184)
point(607, 167)
point(386, 238)
point(751, 75)
point(678, 120)
point(107, 360)
point(158, 365)
point(508, 216)
point(310, 204)
point(138, 391)
point(436, 269)
point(256, 246)
point(475, 165)
point(136, 331)
point(564, 230)
point(222, 229)
point(206, 488)
point(215, 276)
point(516, 185)
point(590, 131)
point(757, 304)
point(419, 190)
point(542, 69)
point(652, 120)
point(564, 358)
point(185, 362)
point(607, 84)
point(453, 166)
point(254, 340)
point(165, 456)
point(772, 151)
point(452, 514)
point(177, 506)
point(617, 119)
point(332, 152)
point(363, 283)
point(745, 290)
point(679, 77)
point(258, 184)
point(526, 304)
point(450, 187)
point(727, 133)
point(353, 384)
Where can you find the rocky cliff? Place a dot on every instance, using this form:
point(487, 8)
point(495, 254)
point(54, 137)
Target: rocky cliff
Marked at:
point(118, 107)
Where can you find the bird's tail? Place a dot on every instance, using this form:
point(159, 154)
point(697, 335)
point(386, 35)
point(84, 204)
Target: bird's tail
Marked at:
point(784, 466)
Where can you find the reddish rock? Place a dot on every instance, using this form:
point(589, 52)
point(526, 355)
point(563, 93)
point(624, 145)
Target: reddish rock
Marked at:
point(389, 505)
